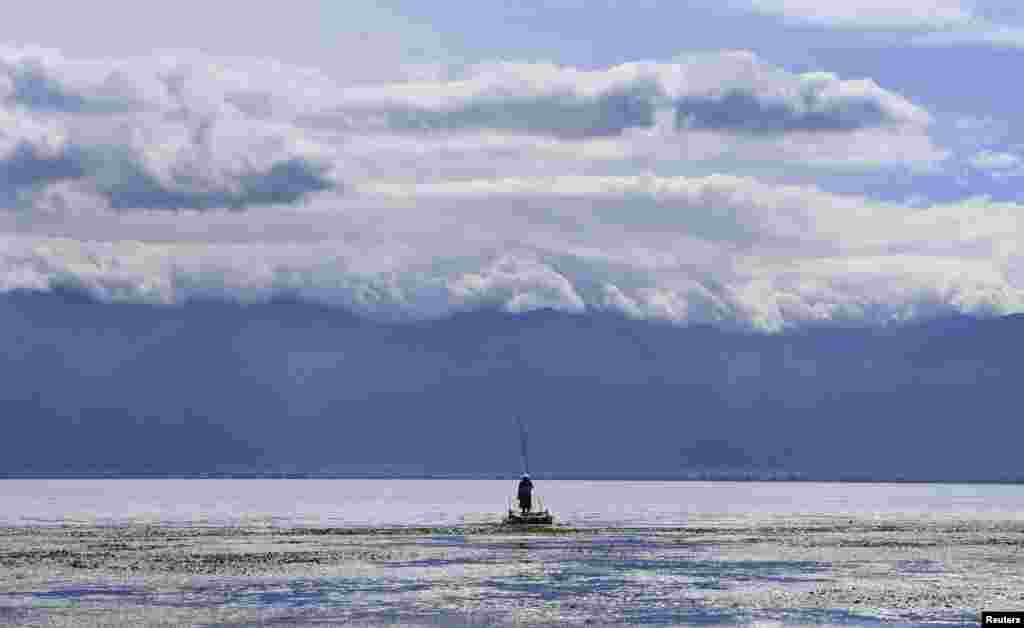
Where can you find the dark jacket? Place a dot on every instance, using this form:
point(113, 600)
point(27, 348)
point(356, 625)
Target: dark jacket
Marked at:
point(525, 487)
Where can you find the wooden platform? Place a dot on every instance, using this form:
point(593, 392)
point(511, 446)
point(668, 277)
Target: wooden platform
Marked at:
point(536, 517)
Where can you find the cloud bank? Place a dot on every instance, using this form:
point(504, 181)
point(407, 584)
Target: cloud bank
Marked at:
point(142, 134)
point(506, 186)
point(733, 91)
point(722, 250)
point(193, 132)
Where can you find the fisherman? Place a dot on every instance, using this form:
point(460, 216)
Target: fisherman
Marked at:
point(525, 493)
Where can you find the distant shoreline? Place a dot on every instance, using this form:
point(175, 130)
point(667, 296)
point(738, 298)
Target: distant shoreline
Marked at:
point(705, 476)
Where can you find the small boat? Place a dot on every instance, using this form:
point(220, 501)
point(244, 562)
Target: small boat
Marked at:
point(534, 517)
point(538, 514)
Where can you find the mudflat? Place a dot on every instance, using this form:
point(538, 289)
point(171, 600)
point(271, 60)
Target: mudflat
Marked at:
point(792, 571)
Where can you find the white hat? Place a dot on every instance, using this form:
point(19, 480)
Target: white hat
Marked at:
point(526, 476)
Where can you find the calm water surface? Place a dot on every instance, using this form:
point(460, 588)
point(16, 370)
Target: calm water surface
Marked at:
point(454, 502)
point(622, 578)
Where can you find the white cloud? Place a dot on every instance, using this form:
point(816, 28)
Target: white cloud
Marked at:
point(914, 14)
point(194, 132)
point(530, 119)
point(505, 202)
point(723, 250)
point(997, 164)
point(977, 33)
point(932, 22)
point(154, 133)
point(731, 91)
point(990, 160)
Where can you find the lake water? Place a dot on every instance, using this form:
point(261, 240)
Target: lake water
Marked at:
point(909, 574)
point(289, 503)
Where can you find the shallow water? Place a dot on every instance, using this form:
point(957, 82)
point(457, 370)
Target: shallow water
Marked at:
point(490, 576)
point(237, 552)
point(348, 503)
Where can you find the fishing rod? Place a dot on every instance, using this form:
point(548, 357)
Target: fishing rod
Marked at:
point(522, 441)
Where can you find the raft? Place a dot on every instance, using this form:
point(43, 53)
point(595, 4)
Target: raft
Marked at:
point(532, 518)
point(538, 517)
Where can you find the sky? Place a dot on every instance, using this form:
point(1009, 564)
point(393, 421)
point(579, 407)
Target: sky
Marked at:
point(758, 164)
point(748, 166)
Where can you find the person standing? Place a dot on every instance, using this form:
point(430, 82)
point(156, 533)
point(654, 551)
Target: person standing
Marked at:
point(525, 493)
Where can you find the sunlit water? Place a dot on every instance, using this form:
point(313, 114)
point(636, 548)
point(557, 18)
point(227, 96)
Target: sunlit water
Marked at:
point(352, 503)
point(626, 577)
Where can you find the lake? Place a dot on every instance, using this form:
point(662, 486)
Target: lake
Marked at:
point(250, 552)
point(359, 502)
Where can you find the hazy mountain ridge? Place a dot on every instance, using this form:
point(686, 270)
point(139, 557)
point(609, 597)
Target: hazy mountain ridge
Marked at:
point(144, 389)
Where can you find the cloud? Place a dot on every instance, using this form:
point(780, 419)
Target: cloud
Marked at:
point(861, 14)
point(507, 186)
point(729, 109)
point(997, 164)
point(211, 165)
point(732, 91)
point(605, 116)
point(193, 132)
point(989, 160)
point(722, 250)
point(978, 34)
point(820, 102)
point(156, 134)
point(196, 179)
point(929, 22)
point(43, 80)
point(28, 164)
point(740, 211)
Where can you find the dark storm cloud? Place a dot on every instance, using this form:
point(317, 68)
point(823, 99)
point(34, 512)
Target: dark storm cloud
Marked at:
point(283, 182)
point(745, 111)
point(137, 185)
point(28, 165)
